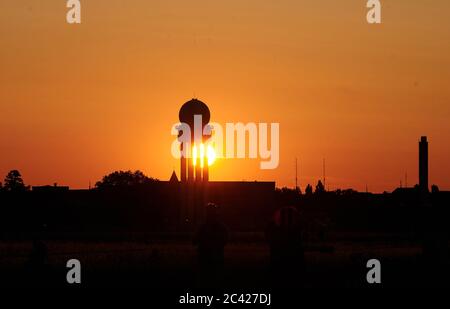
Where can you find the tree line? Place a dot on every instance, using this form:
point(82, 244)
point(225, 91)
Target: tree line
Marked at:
point(13, 181)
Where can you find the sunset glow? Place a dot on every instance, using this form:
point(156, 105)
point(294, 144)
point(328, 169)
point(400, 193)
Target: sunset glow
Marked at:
point(211, 154)
point(194, 155)
point(199, 154)
point(206, 149)
point(80, 101)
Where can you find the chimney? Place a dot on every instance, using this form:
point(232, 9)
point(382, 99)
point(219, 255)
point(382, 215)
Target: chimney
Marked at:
point(423, 164)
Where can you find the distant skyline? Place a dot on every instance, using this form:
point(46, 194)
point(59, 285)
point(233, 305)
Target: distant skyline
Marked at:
point(80, 101)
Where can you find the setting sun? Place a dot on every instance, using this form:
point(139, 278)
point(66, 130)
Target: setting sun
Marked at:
point(200, 153)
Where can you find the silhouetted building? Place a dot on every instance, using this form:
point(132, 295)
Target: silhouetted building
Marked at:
point(245, 205)
point(173, 178)
point(193, 153)
point(50, 189)
point(423, 164)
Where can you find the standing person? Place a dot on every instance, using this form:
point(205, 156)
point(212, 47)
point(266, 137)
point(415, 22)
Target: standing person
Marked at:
point(210, 240)
point(286, 248)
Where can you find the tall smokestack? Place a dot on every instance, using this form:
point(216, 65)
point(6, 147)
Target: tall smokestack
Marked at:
point(423, 164)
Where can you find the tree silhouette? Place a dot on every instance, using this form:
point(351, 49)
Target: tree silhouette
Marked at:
point(308, 190)
point(320, 188)
point(434, 189)
point(14, 182)
point(124, 179)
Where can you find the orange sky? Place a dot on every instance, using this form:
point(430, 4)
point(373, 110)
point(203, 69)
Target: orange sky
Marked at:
point(79, 101)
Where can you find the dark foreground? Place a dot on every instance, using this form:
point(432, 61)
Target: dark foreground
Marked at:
point(247, 265)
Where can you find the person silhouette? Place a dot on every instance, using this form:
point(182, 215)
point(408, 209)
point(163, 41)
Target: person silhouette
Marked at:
point(210, 240)
point(39, 253)
point(37, 264)
point(286, 247)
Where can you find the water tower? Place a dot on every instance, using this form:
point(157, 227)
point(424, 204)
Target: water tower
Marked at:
point(194, 161)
